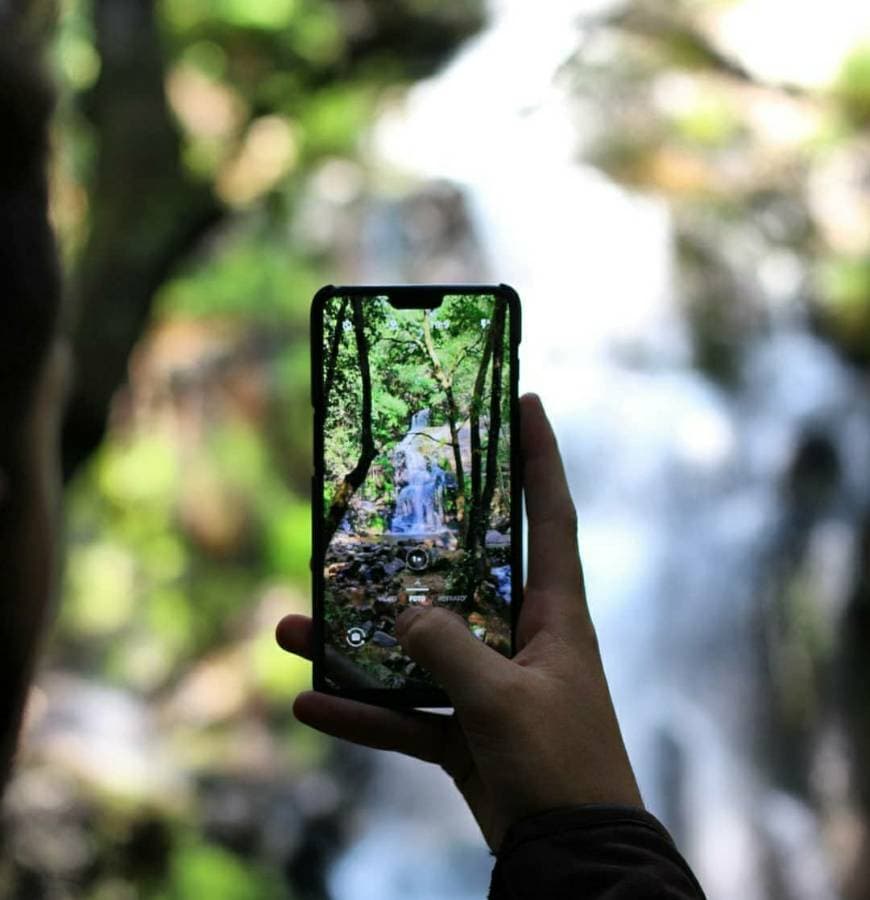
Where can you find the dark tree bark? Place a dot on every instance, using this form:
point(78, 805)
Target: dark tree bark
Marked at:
point(453, 419)
point(853, 691)
point(332, 358)
point(354, 479)
point(498, 323)
point(475, 544)
point(474, 428)
point(146, 216)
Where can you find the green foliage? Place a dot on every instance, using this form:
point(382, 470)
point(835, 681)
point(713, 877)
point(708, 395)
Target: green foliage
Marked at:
point(404, 381)
point(845, 287)
point(742, 162)
point(198, 869)
point(710, 123)
point(257, 277)
point(392, 412)
point(335, 116)
point(279, 676)
point(146, 600)
point(100, 587)
point(75, 53)
point(189, 15)
point(196, 506)
point(288, 538)
point(142, 474)
point(853, 86)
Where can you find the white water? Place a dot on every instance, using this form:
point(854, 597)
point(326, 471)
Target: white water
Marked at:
point(675, 481)
point(420, 485)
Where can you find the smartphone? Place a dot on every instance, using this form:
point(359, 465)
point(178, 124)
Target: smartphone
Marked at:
point(416, 494)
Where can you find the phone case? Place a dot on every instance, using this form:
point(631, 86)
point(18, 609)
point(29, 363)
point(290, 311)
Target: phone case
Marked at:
point(331, 664)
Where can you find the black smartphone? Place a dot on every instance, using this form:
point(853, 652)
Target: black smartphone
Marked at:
point(416, 494)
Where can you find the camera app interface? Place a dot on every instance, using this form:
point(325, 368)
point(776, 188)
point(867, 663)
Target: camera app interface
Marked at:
point(417, 489)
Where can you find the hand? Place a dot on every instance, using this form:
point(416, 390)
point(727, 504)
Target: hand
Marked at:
point(528, 734)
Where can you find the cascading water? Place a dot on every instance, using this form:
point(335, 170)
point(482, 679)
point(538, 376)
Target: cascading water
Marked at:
point(419, 483)
point(677, 482)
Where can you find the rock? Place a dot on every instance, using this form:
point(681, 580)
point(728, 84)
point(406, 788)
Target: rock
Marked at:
point(382, 639)
point(393, 567)
point(358, 599)
point(386, 602)
point(496, 537)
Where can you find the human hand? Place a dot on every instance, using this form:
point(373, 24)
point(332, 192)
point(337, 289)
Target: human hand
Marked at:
point(528, 734)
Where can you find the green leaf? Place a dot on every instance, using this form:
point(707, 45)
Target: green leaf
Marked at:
point(203, 870)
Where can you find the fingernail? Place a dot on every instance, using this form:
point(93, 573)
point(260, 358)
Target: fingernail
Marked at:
point(403, 622)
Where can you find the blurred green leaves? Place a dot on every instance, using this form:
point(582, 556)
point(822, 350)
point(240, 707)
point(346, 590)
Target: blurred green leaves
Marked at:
point(188, 531)
point(198, 869)
point(266, 14)
point(754, 171)
point(853, 86)
point(142, 474)
point(101, 581)
point(288, 538)
point(256, 277)
point(167, 554)
point(845, 285)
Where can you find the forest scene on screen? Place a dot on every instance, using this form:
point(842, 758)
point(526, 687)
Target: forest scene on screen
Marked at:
point(417, 477)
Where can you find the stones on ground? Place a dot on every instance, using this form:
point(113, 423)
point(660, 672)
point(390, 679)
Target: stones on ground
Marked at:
point(382, 639)
point(392, 567)
point(386, 602)
point(359, 599)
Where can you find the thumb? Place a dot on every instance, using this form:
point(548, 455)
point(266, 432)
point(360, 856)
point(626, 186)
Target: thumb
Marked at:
point(442, 643)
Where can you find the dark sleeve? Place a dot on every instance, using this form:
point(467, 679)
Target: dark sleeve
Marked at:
point(591, 853)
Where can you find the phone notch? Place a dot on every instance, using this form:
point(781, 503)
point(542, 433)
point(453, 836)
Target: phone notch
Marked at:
point(417, 299)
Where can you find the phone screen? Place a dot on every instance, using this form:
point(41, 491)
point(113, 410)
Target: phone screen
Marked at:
point(416, 482)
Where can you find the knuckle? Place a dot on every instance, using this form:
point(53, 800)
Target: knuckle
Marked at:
point(568, 516)
point(564, 516)
point(422, 625)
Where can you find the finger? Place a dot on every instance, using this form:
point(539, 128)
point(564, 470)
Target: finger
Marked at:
point(295, 633)
point(553, 559)
point(441, 642)
point(419, 734)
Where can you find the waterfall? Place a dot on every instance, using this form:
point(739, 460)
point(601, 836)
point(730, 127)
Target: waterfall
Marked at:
point(419, 420)
point(419, 481)
point(676, 481)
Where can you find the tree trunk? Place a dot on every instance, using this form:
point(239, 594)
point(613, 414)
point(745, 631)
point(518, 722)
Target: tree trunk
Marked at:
point(475, 545)
point(146, 216)
point(332, 359)
point(474, 428)
point(354, 479)
point(453, 419)
point(498, 323)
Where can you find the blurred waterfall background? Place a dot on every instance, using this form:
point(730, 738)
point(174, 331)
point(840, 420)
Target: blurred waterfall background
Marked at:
point(679, 192)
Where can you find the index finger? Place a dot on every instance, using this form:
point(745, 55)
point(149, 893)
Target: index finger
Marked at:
point(420, 734)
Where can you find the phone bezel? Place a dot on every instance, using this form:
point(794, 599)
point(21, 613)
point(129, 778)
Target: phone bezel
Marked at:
point(404, 697)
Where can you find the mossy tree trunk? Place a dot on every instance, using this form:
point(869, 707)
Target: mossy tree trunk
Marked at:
point(146, 216)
